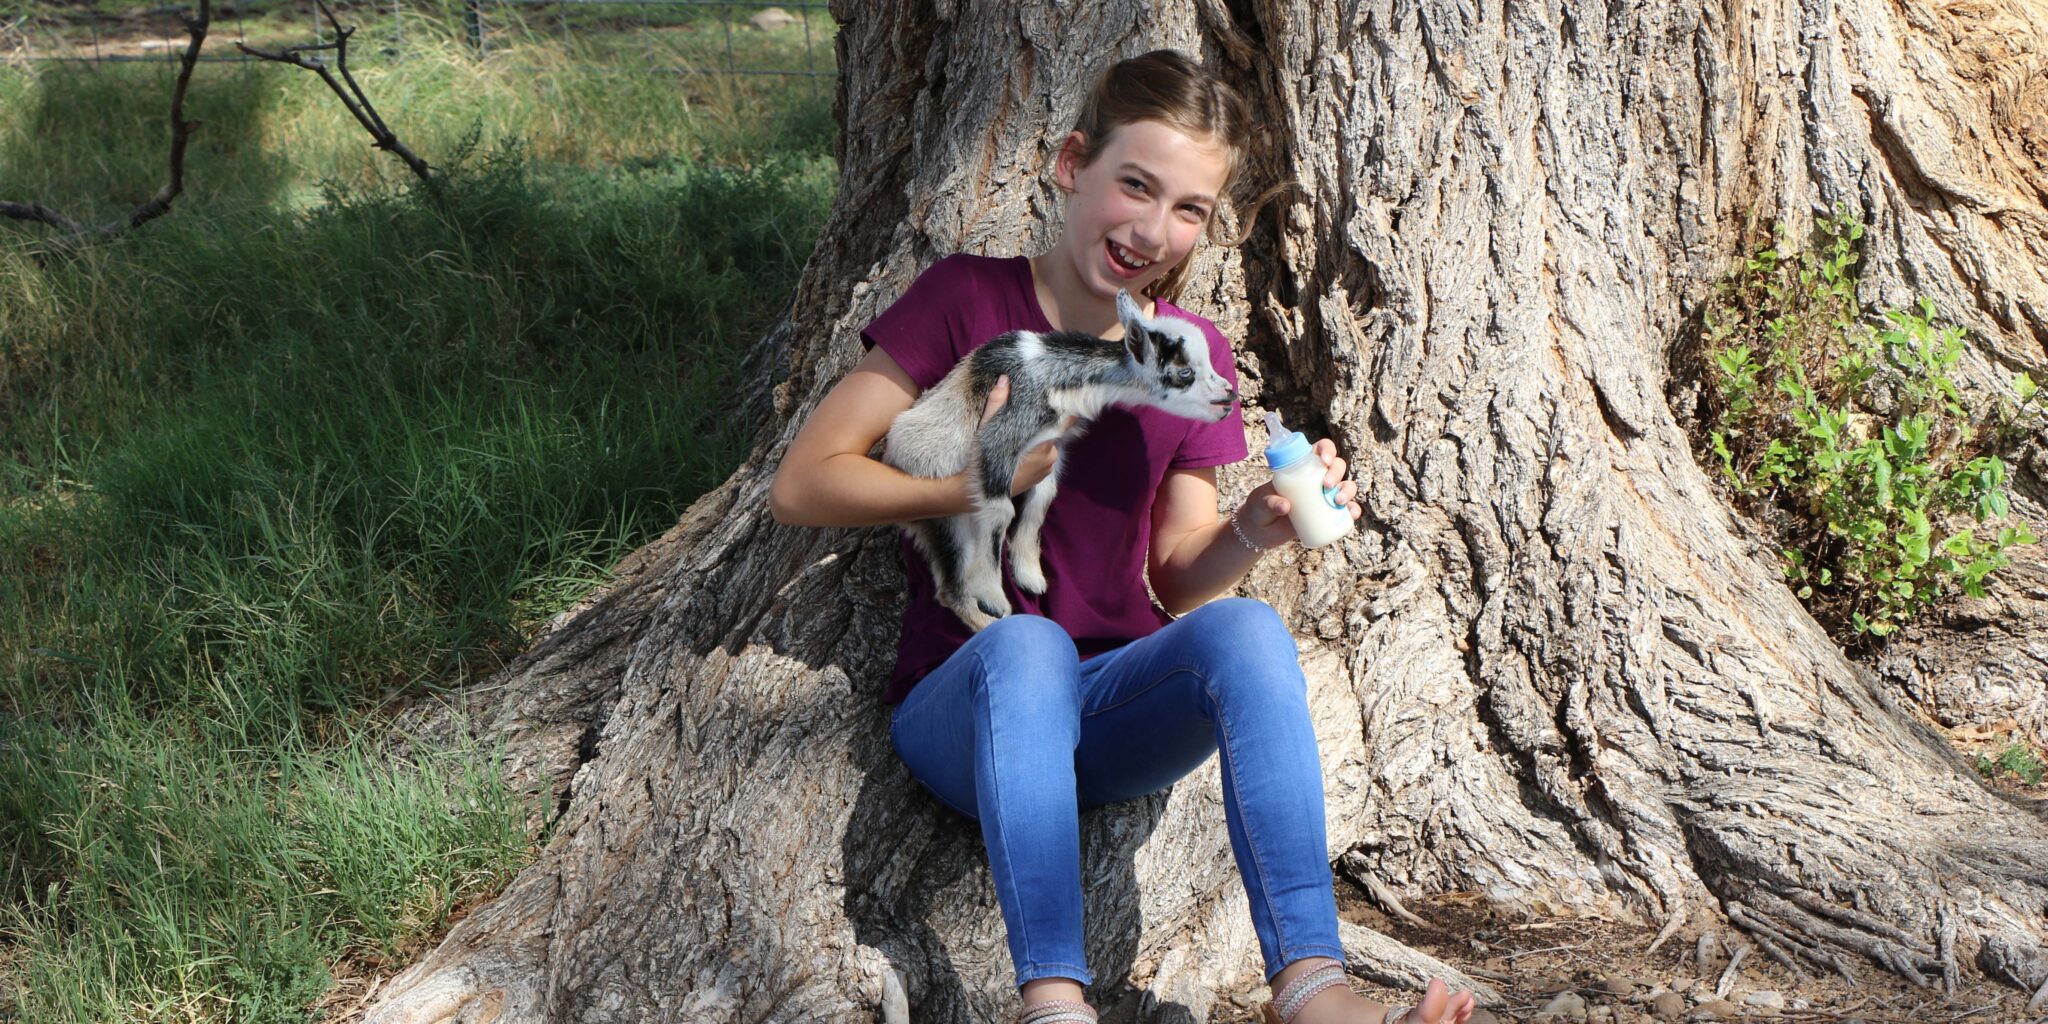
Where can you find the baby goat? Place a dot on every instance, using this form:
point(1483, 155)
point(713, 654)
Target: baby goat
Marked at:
point(1161, 361)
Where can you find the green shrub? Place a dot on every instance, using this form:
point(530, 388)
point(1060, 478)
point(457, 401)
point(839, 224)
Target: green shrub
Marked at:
point(2018, 760)
point(1848, 437)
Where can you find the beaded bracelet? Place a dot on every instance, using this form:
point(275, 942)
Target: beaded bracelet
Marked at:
point(1241, 538)
point(1057, 1011)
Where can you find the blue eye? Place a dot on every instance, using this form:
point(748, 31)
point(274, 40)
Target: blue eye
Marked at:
point(1187, 375)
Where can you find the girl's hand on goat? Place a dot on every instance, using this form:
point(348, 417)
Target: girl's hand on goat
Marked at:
point(1037, 462)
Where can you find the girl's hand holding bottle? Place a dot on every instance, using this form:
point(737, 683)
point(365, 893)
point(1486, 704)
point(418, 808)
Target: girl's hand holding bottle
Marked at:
point(1298, 503)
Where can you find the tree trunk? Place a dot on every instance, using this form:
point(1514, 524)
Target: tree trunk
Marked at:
point(1551, 667)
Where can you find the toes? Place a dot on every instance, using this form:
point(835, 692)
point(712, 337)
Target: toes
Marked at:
point(1462, 1007)
point(1434, 1002)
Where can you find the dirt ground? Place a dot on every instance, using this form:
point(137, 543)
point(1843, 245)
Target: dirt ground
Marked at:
point(1610, 967)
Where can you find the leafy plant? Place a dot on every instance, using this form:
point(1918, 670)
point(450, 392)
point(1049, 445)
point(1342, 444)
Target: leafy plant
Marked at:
point(1848, 436)
point(2018, 760)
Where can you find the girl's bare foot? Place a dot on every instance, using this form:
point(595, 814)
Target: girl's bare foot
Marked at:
point(1339, 1005)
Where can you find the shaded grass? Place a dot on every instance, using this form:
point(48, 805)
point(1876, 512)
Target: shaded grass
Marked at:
point(313, 443)
point(91, 139)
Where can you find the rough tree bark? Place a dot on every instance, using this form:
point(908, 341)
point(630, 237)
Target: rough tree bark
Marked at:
point(1550, 668)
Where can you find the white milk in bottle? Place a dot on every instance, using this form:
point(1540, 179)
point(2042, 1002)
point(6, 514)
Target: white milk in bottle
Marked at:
point(1298, 476)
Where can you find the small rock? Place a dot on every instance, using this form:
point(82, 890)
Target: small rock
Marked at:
point(1483, 1017)
point(772, 18)
point(1600, 1015)
point(1801, 1004)
point(1716, 1009)
point(1768, 1000)
point(1478, 948)
point(1615, 986)
point(1564, 1005)
point(1668, 1006)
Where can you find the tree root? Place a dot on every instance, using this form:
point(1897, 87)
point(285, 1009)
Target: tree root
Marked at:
point(1375, 957)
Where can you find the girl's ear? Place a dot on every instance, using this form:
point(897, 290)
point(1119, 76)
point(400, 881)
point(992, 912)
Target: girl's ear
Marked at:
point(1068, 161)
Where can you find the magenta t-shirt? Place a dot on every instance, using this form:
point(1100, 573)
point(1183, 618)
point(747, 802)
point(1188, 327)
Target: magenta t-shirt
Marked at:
point(1099, 526)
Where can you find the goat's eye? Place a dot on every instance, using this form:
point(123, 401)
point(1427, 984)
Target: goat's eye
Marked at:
point(1186, 375)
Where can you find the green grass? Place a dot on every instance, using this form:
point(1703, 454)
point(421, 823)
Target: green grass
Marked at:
point(314, 443)
point(596, 34)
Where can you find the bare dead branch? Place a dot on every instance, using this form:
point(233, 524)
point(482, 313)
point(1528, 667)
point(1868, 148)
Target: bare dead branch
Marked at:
point(43, 214)
point(76, 234)
point(351, 94)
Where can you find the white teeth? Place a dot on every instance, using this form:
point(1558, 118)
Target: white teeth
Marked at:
point(1125, 257)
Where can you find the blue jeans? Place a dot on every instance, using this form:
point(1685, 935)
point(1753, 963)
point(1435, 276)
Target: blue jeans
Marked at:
point(1015, 731)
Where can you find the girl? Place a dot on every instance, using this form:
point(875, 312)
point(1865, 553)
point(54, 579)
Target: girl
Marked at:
point(1090, 694)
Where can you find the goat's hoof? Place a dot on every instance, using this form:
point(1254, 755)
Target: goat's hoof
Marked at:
point(990, 610)
point(1030, 578)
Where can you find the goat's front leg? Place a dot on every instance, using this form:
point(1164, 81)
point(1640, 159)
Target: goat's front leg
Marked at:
point(1025, 563)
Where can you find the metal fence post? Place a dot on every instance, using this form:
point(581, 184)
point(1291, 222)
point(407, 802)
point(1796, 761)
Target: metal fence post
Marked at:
point(473, 17)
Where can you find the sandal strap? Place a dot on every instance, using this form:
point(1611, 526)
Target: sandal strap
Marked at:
point(1289, 1001)
point(1057, 1011)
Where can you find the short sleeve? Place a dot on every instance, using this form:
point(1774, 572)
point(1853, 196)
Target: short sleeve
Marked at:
point(924, 329)
point(1222, 442)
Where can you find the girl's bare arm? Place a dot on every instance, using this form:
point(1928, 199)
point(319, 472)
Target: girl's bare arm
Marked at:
point(827, 477)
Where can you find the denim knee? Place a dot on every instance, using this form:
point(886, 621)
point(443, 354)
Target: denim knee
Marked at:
point(1244, 646)
point(1029, 667)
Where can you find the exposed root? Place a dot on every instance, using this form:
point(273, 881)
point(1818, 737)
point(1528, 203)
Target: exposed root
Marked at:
point(1375, 957)
point(1801, 925)
point(1670, 928)
point(452, 997)
point(1354, 866)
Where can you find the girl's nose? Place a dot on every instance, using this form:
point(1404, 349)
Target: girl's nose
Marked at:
point(1149, 230)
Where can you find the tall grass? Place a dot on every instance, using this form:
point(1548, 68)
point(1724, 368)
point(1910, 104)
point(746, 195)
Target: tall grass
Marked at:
point(315, 443)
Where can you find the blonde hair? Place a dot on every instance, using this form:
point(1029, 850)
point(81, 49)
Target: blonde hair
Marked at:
point(1168, 87)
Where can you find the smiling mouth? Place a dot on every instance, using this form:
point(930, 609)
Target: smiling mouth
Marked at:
point(1127, 259)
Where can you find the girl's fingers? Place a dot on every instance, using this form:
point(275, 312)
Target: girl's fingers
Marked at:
point(998, 396)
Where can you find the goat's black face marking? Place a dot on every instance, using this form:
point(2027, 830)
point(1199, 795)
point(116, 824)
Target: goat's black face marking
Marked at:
point(1174, 372)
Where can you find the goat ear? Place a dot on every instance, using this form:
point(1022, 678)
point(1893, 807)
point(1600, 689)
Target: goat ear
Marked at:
point(1127, 310)
point(1138, 342)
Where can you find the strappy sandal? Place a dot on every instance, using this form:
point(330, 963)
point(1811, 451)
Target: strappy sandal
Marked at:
point(1057, 1011)
point(1287, 1002)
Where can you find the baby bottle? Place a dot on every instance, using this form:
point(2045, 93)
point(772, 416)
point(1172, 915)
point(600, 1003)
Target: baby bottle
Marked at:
point(1298, 475)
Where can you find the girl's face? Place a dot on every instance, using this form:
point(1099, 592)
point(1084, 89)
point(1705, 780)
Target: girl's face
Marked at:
point(1139, 207)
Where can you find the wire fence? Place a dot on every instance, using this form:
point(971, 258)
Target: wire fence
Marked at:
point(788, 39)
